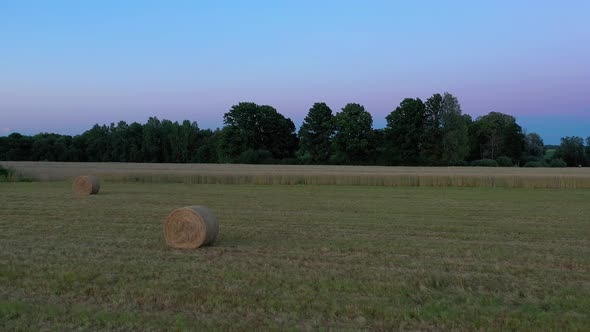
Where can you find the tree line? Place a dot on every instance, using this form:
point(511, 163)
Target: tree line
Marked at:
point(433, 132)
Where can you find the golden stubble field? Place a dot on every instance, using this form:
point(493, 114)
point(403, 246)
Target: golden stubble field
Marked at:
point(509, 177)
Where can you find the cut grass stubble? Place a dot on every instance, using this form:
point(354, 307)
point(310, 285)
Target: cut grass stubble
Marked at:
point(296, 257)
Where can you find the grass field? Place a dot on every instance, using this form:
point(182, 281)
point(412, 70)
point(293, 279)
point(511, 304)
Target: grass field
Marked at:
point(296, 257)
point(508, 177)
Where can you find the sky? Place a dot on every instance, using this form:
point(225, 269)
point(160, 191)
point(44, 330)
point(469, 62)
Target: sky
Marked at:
point(65, 65)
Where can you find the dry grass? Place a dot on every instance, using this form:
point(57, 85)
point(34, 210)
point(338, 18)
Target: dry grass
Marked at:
point(311, 175)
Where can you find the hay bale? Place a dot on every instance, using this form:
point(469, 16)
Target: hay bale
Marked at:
point(190, 227)
point(86, 185)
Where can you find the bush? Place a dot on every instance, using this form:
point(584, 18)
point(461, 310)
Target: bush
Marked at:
point(504, 161)
point(485, 163)
point(256, 157)
point(304, 158)
point(288, 161)
point(337, 159)
point(557, 163)
point(535, 164)
point(463, 163)
point(6, 174)
point(526, 159)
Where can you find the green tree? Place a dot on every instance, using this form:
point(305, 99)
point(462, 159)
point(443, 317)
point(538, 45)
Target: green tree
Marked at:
point(135, 142)
point(97, 143)
point(43, 147)
point(240, 130)
point(78, 148)
point(277, 134)
point(405, 130)
point(431, 149)
point(63, 148)
point(353, 134)
point(446, 136)
point(20, 147)
point(207, 146)
point(571, 150)
point(497, 134)
point(188, 140)
point(316, 133)
point(3, 147)
point(257, 127)
point(455, 132)
point(534, 145)
point(119, 143)
point(152, 141)
point(171, 148)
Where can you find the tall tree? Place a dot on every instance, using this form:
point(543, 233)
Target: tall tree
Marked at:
point(3, 147)
point(135, 142)
point(534, 145)
point(432, 140)
point(43, 147)
point(446, 137)
point(153, 141)
point(119, 143)
point(571, 150)
point(497, 134)
point(277, 133)
point(188, 140)
point(354, 130)
point(171, 147)
point(405, 129)
point(316, 133)
point(206, 148)
point(240, 130)
point(98, 143)
point(455, 134)
point(78, 148)
point(257, 127)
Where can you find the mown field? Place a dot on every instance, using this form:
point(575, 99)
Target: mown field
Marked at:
point(295, 257)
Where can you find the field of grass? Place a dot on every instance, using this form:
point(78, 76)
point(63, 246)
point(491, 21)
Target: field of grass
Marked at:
point(296, 257)
point(549, 154)
point(509, 177)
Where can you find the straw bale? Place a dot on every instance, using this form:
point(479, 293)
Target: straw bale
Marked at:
point(86, 185)
point(190, 227)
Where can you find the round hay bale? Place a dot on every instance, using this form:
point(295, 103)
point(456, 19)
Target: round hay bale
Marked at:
point(190, 227)
point(86, 185)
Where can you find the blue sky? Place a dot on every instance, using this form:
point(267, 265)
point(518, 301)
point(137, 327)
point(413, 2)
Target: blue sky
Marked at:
point(66, 65)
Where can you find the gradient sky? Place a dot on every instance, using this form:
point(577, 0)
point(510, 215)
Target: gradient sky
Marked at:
point(65, 65)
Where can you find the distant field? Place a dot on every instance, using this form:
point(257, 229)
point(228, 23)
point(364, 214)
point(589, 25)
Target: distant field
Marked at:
point(322, 175)
point(549, 154)
point(294, 257)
